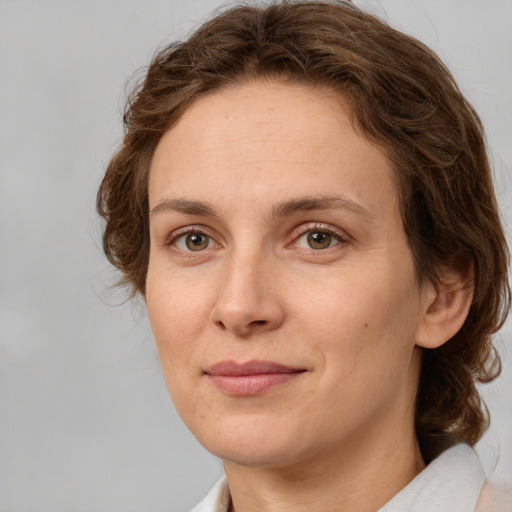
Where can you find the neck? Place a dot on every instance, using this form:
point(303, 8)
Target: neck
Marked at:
point(362, 478)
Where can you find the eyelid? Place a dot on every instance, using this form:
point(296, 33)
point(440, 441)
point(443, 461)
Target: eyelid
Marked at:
point(301, 230)
point(298, 232)
point(171, 239)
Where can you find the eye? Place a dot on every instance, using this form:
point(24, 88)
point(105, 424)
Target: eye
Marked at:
point(318, 239)
point(193, 241)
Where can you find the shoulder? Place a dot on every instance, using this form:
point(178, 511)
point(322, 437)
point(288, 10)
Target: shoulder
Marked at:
point(495, 498)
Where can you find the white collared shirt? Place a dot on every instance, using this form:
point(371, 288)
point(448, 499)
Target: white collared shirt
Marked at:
point(454, 482)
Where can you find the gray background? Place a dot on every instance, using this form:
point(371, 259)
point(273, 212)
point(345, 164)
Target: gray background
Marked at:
point(85, 421)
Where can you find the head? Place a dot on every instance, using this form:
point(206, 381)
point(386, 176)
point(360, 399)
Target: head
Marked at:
point(403, 101)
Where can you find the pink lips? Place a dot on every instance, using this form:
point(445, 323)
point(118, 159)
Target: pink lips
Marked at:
point(251, 378)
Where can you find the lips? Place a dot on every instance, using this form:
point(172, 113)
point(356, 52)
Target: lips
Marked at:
point(250, 378)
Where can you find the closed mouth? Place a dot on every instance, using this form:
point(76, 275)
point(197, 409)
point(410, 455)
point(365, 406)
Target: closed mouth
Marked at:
point(250, 378)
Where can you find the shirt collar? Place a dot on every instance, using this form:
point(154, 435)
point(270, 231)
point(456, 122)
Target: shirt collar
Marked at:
point(217, 500)
point(451, 482)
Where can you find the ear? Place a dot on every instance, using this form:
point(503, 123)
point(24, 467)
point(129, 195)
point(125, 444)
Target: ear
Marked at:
point(446, 306)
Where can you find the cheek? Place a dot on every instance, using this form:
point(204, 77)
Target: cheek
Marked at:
point(366, 319)
point(174, 321)
point(368, 348)
point(177, 311)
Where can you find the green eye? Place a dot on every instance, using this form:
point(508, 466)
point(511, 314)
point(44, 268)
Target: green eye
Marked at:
point(193, 242)
point(197, 241)
point(319, 240)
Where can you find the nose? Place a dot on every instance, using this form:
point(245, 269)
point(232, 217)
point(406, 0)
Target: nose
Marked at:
point(248, 300)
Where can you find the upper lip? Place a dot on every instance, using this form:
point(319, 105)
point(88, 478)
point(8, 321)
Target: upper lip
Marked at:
point(232, 368)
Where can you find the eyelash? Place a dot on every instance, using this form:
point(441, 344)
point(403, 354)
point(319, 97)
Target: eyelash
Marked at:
point(183, 233)
point(303, 230)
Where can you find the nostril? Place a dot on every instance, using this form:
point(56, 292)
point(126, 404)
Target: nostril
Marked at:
point(246, 318)
point(241, 329)
point(220, 324)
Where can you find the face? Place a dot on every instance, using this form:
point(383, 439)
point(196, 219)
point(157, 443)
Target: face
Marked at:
point(280, 286)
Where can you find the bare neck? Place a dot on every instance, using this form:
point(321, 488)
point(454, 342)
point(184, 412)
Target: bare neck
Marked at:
point(362, 477)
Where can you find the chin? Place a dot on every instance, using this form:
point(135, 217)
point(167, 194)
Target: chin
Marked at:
point(256, 456)
point(252, 444)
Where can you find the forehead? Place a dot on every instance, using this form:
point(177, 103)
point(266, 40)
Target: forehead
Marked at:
point(270, 140)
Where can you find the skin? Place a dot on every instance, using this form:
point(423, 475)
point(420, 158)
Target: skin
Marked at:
point(254, 170)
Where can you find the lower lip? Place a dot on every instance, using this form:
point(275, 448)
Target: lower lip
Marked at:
point(251, 385)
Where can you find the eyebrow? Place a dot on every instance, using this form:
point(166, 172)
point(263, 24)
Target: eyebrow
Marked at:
point(184, 206)
point(282, 209)
point(304, 204)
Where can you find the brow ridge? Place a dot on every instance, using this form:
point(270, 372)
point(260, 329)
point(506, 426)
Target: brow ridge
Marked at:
point(308, 203)
point(185, 206)
point(281, 209)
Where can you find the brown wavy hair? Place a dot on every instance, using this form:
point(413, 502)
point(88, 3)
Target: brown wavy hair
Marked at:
point(404, 99)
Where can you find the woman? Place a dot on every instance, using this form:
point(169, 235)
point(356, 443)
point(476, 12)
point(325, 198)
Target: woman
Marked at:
point(304, 200)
